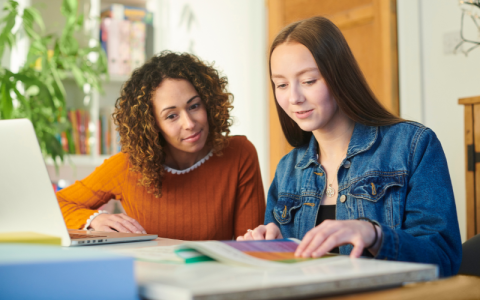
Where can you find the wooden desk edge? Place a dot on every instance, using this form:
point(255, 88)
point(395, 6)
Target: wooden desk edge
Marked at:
point(456, 287)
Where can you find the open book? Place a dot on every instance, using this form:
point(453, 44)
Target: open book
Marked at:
point(265, 253)
point(173, 277)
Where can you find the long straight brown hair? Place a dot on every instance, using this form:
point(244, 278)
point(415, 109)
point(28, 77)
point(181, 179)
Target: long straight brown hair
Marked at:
point(341, 72)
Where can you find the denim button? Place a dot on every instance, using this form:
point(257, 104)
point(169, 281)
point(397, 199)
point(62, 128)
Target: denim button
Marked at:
point(347, 164)
point(343, 198)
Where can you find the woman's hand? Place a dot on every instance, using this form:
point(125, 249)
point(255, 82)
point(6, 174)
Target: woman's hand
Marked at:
point(116, 222)
point(262, 232)
point(333, 233)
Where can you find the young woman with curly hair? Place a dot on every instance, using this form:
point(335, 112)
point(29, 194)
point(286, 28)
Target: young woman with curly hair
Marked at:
point(179, 174)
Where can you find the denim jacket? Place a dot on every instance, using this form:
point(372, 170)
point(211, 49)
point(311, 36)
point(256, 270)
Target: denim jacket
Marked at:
point(396, 175)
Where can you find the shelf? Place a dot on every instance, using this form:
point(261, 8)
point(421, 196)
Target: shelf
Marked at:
point(113, 78)
point(116, 78)
point(137, 3)
point(79, 160)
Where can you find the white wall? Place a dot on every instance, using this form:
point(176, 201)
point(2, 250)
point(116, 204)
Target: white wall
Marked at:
point(431, 82)
point(233, 35)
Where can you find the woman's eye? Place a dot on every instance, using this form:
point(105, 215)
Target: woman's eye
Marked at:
point(310, 82)
point(197, 105)
point(170, 116)
point(281, 86)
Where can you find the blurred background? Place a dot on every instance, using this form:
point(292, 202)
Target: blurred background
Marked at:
point(419, 56)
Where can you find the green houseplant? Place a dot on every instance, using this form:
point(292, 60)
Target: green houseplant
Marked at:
point(36, 91)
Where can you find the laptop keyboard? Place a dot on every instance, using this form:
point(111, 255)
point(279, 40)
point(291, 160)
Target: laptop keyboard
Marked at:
point(84, 236)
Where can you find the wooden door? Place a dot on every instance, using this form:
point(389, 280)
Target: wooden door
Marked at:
point(472, 163)
point(370, 28)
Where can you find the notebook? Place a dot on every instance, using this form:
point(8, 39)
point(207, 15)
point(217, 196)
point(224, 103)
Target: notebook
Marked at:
point(27, 199)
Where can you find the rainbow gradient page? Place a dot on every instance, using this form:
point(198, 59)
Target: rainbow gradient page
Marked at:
point(273, 250)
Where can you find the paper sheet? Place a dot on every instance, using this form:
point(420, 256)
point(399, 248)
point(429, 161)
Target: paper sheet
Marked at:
point(164, 254)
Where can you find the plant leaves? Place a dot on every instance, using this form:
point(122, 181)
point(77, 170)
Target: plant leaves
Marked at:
point(36, 17)
point(6, 101)
point(6, 35)
point(58, 86)
point(44, 101)
point(24, 103)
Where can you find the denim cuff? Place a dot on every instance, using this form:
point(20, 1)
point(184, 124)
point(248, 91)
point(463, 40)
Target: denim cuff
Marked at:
point(389, 246)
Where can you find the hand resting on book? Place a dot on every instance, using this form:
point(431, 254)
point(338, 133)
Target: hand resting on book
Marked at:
point(262, 232)
point(326, 236)
point(333, 233)
point(116, 222)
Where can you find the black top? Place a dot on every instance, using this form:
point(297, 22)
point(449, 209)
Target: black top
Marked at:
point(327, 212)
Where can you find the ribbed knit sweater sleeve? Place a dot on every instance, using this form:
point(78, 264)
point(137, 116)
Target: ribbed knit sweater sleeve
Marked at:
point(82, 199)
point(250, 202)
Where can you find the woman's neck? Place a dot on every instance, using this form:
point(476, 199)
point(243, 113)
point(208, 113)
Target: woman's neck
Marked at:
point(181, 160)
point(333, 140)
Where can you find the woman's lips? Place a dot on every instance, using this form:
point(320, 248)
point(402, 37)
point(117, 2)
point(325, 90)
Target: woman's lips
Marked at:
point(303, 114)
point(194, 137)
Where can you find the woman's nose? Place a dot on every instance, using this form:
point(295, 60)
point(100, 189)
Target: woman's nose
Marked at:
point(188, 122)
point(296, 96)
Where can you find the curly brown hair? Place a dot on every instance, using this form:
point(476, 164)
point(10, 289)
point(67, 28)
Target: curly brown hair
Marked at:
point(140, 136)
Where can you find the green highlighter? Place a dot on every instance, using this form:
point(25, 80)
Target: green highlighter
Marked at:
point(192, 256)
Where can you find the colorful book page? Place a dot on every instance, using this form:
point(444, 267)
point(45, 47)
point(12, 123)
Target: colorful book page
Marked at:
point(271, 250)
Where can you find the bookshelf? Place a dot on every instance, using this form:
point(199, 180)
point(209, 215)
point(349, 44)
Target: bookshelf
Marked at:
point(77, 166)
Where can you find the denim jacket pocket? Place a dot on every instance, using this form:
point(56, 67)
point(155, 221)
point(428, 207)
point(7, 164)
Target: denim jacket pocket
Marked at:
point(285, 209)
point(374, 186)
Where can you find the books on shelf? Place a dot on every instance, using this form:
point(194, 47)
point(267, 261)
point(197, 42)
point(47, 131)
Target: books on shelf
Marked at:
point(116, 43)
point(79, 140)
point(123, 33)
point(108, 137)
point(131, 13)
point(137, 42)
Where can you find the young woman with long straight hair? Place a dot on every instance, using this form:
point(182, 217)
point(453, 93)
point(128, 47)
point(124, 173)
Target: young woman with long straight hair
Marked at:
point(359, 178)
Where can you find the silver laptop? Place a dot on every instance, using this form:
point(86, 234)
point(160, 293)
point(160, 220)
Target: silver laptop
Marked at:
point(27, 199)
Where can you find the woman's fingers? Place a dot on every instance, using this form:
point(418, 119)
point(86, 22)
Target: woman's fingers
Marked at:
point(316, 238)
point(259, 233)
point(248, 236)
point(330, 234)
point(272, 232)
point(118, 226)
point(117, 222)
point(307, 239)
point(132, 224)
point(262, 232)
point(334, 240)
point(358, 247)
point(105, 228)
point(125, 224)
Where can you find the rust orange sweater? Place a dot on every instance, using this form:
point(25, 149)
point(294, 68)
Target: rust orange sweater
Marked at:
point(218, 200)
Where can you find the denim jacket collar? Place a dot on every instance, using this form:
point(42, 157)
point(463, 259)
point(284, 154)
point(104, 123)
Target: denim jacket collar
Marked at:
point(363, 138)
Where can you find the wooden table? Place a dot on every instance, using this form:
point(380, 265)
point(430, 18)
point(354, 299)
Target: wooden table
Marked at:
point(457, 287)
